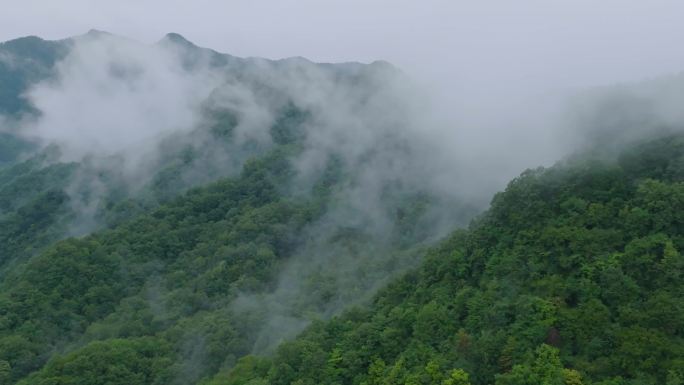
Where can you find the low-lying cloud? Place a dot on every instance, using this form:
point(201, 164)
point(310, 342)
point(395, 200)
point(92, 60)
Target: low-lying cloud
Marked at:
point(126, 108)
point(114, 97)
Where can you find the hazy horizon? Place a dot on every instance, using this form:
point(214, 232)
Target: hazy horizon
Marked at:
point(494, 79)
point(545, 45)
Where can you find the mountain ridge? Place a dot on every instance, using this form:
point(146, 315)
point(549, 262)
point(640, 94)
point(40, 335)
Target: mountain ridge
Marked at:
point(186, 216)
point(175, 38)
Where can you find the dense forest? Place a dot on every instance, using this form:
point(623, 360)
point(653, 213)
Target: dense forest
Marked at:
point(253, 249)
point(573, 276)
point(171, 277)
point(222, 247)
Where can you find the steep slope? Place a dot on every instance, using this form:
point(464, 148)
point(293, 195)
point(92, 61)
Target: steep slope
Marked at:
point(33, 208)
point(23, 62)
point(312, 174)
point(68, 171)
point(313, 195)
point(170, 279)
point(573, 276)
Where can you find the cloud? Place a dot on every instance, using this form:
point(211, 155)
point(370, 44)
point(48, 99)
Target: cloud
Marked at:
point(127, 108)
point(8, 60)
point(116, 97)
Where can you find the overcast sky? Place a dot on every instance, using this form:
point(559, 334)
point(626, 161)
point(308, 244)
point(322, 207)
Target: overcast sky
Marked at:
point(470, 44)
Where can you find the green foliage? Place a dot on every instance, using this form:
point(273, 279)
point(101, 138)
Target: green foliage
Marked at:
point(171, 275)
point(11, 148)
point(545, 370)
point(572, 277)
point(25, 60)
point(161, 262)
point(457, 377)
point(140, 361)
point(220, 239)
point(32, 202)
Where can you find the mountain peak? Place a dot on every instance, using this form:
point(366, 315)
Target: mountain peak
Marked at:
point(177, 38)
point(97, 33)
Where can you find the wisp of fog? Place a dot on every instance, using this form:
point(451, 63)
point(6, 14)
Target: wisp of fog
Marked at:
point(120, 107)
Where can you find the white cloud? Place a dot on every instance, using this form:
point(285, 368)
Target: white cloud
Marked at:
point(113, 96)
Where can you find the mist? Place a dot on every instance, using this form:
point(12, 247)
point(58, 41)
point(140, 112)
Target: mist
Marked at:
point(123, 110)
point(115, 97)
point(443, 133)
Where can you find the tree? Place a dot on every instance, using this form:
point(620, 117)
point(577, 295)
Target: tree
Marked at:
point(5, 371)
point(457, 377)
point(545, 370)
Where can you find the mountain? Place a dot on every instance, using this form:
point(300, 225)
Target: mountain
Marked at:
point(22, 62)
point(170, 214)
point(82, 171)
point(573, 276)
point(193, 203)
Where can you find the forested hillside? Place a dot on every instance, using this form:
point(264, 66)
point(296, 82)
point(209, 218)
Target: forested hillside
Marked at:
point(22, 62)
point(573, 276)
point(109, 252)
point(173, 215)
point(165, 284)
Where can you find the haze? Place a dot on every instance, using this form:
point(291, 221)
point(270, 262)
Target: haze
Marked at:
point(496, 73)
point(338, 176)
point(465, 44)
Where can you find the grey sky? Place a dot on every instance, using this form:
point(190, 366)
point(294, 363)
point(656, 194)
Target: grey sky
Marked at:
point(479, 46)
